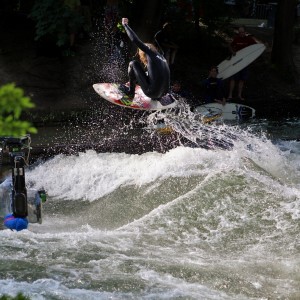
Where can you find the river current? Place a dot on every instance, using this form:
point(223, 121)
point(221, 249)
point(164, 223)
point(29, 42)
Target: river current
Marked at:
point(191, 223)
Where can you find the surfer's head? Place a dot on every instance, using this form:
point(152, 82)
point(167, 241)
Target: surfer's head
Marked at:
point(142, 55)
point(213, 72)
point(176, 86)
point(242, 30)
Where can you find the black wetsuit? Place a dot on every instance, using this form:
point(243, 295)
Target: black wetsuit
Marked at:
point(156, 83)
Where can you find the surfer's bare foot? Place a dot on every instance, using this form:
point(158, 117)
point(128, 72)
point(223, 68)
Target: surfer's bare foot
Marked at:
point(241, 98)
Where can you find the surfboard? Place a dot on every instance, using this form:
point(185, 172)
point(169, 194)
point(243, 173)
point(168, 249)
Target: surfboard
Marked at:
point(230, 111)
point(111, 93)
point(242, 59)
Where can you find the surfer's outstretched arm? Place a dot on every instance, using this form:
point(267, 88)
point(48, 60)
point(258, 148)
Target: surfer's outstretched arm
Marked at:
point(133, 37)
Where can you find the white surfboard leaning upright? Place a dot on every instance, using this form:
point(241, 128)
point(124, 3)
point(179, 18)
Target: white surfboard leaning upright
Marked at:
point(111, 93)
point(242, 59)
point(230, 111)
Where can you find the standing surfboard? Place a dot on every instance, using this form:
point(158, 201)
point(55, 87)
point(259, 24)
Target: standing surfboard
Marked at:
point(111, 93)
point(230, 111)
point(242, 59)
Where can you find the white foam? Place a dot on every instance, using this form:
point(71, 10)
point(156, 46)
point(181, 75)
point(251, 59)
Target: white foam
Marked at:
point(91, 175)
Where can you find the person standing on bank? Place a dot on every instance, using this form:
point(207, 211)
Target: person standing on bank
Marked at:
point(241, 41)
point(152, 72)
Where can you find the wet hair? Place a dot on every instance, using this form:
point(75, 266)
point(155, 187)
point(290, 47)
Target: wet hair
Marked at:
point(142, 55)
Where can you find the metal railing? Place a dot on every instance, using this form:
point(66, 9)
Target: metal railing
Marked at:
point(262, 11)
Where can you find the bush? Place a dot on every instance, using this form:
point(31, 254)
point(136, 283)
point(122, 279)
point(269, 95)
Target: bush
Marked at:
point(54, 18)
point(12, 103)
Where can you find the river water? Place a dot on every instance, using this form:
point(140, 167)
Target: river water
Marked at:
point(191, 223)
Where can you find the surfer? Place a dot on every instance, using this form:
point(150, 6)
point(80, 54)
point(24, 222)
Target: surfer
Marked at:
point(151, 72)
point(240, 42)
point(213, 87)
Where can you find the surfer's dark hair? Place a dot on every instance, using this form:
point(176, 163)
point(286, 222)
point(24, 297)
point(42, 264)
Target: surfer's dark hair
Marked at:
point(214, 67)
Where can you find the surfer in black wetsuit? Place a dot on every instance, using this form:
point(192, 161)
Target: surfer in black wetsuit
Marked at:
point(153, 76)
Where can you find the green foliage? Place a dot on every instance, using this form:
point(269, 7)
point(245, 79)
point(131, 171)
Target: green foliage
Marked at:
point(12, 103)
point(54, 18)
point(18, 297)
point(121, 27)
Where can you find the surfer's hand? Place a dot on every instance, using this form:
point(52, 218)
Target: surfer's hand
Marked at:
point(124, 21)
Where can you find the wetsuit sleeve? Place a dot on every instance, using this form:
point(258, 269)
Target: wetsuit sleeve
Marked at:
point(135, 39)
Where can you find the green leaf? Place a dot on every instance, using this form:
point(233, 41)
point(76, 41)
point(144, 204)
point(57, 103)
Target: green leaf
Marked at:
point(12, 104)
